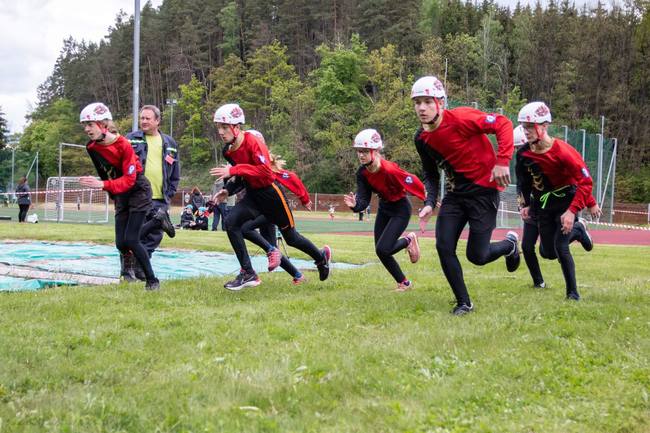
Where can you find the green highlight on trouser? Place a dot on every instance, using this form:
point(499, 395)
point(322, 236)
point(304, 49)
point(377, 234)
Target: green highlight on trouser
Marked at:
point(556, 193)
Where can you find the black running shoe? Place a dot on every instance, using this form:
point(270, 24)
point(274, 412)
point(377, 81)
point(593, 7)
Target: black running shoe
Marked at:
point(541, 285)
point(324, 265)
point(573, 296)
point(462, 309)
point(152, 285)
point(165, 223)
point(585, 240)
point(513, 258)
point(244, 279)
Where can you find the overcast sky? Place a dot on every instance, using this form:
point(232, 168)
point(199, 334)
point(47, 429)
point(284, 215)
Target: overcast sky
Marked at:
point(31, 37)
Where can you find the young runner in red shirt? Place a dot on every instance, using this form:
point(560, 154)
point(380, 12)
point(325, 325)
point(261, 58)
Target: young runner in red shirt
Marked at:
point(455, 141)
point(267, 236)
point(250, 162)
point(530, 230)
point(122, 177)
point(555, 185)
point(391, 184)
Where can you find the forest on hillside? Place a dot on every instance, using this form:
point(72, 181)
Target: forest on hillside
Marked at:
point(311, 73)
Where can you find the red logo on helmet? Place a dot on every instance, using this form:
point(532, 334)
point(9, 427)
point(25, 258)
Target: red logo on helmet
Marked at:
point(542, 110)
point(236, 112)
point(426, 91)
point(100, 109)
point(375, 138)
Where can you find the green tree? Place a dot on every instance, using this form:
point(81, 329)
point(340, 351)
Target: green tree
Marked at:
point(191, 104)
point(4, 131)
point(57, 123)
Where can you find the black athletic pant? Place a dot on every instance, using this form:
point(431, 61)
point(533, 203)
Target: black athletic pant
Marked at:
point(391, 221)
point(22, 212)
point(152, 232)
point(555, 245)
point(480, 212)
point(270, 202)
point(528, 240)
point(266, 238)
point(131, 209)
point(127, 238)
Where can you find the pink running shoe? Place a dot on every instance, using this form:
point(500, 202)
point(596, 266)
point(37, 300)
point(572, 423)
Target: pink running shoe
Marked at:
point(404, 286)
point(299, 280)
point(274, 257)
point(413, 248)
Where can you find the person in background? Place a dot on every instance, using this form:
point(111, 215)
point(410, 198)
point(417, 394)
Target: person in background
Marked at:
point(219, 211)
point(187, 217)
point(159, 156)
point(201, 220)
point(197, 200)
point(23, 199)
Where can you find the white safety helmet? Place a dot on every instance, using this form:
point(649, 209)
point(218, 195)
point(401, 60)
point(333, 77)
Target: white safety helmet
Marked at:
point(257, 135)
point(534, 112)
point(95, 112)
point(520, 136)
point(368, 139)
point(428, 86)
point(231, 114)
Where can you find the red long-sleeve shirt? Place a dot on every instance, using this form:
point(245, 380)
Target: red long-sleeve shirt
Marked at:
point(390, 182)
point(560, 166)
point(251, 162)
point(292, 182)
point(116, 164)
point(460, 147)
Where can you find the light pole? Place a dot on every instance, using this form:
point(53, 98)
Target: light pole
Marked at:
point(171, 103)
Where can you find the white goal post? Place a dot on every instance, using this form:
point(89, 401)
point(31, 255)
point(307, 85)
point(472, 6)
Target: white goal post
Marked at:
point(67, 201)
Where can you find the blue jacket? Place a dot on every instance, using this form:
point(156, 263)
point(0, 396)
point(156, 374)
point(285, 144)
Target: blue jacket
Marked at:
point(171, 160)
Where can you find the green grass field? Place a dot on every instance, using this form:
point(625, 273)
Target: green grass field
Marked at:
point(347, 355)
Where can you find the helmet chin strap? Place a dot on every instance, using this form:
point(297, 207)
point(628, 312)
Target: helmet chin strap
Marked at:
point(103, 129)
point(372, 158)
point(435, 118)
point(540, 134)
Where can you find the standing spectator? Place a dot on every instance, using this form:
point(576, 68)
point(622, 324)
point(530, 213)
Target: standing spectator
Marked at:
point(220, 211)
point(159, 156)
point(24, 200)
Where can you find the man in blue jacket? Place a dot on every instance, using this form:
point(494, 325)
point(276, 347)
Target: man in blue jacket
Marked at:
point(159, 156)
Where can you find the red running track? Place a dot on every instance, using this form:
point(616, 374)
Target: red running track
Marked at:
point(609, 237)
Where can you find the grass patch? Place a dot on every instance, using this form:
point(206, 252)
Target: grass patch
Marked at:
point(347, 355)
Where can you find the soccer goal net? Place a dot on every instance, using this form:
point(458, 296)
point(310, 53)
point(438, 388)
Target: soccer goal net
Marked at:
point(508, 213)
point(67, 201)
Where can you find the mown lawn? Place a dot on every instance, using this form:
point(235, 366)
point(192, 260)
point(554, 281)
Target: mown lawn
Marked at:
point(347, 355)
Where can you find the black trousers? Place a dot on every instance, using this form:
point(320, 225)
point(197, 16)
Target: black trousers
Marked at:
point(131, 209)
point(152, 232)
point(528, 240)
point(271, 203)
point(266, 238)
point(22, 212)
point(480, 212)
point(555, 245)
point(391, 221)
